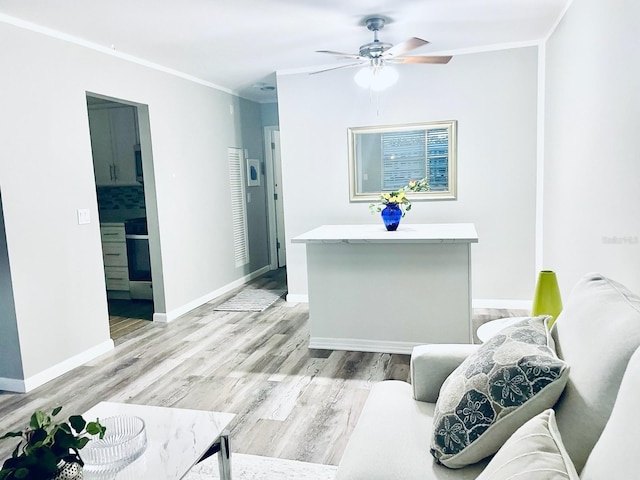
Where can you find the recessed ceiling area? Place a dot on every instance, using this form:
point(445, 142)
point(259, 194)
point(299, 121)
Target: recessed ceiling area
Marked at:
point(239, 45)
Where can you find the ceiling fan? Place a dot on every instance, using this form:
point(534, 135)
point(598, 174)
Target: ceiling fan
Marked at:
point(378, 53)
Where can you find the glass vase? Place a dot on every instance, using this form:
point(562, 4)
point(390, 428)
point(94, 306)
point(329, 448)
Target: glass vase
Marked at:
point(391, 215)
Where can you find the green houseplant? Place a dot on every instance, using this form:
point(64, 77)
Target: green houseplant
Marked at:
point(46, 446)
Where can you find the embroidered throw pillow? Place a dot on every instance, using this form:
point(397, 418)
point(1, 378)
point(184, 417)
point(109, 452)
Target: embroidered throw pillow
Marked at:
point(510, 379)
point(534, 452)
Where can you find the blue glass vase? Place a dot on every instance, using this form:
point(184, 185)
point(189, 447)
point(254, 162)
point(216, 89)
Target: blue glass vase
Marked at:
point(391, 215)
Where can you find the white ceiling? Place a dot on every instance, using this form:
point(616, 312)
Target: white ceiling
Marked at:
point(238, 44)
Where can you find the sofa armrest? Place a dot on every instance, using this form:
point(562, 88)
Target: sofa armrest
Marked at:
point(432, 364)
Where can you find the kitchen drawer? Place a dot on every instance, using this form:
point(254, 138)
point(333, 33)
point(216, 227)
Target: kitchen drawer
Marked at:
point(113, 233)
point(114, 254)
point(117, 278)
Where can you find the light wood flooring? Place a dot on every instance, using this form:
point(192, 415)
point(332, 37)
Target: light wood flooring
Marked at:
point(291, 402)
point(126, 316)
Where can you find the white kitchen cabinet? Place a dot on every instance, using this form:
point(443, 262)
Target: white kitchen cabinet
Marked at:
point(114, 254)
point(101, 145)
point(112, 233)
point(113, 141)
point(117, 278)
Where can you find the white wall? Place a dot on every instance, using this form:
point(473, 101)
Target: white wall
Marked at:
point(269, 114)
point(492, 96)
point(592, 158)
point(46, 174)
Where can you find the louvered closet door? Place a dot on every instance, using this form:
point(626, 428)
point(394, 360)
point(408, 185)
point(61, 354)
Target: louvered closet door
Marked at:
point(238, 205)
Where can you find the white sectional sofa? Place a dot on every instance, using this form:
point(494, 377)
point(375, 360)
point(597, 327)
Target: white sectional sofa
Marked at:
point(597, 335)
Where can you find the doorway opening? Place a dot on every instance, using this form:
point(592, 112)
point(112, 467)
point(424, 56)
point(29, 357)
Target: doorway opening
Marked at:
point(11, 366)
point(123, 172)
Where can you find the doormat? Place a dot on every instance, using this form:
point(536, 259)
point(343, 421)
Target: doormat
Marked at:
point(254, 467)
point(251, 300)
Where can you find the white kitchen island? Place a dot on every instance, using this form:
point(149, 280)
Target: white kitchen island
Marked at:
point(377, 291)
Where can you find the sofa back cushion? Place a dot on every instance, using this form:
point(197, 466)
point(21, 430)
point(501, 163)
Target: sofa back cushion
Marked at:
point(596, 334)
point(615, 454)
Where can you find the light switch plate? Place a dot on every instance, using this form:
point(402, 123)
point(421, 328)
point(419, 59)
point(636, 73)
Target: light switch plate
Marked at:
point(84, 216)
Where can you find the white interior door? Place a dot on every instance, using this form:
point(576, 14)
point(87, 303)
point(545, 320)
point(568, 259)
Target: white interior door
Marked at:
point(281, 245)
point(277, 245)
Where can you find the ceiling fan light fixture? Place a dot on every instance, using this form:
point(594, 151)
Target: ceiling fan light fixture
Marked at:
point(376, 78)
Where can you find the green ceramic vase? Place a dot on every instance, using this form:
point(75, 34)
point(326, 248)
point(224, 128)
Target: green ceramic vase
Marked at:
point(547, 300)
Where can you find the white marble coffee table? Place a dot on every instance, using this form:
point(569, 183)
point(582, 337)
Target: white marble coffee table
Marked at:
point(177, 439)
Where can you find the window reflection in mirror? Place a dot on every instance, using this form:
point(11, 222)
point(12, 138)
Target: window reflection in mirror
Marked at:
point(386, 158)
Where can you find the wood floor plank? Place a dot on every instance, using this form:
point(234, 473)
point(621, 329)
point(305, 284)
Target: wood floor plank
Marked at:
point(287, 391)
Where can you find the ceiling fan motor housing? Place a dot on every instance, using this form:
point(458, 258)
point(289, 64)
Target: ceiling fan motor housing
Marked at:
point(375, 23)
point(376, 48)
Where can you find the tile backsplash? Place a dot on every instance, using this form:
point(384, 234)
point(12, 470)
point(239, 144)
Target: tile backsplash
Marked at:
point(121, 198)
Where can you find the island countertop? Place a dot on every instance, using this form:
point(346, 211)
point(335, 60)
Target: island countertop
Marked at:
point(406, 233)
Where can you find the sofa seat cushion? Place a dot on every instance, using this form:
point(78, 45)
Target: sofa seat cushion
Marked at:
point(534, 452)
point(391, 440)
point(596, 333)
point(510, 379)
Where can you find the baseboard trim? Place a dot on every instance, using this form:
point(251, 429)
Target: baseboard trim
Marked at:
point(28, 384)
point(160, 317)
point(187, 307)
point(358, 345)
point(12, 385)
point(297, 298)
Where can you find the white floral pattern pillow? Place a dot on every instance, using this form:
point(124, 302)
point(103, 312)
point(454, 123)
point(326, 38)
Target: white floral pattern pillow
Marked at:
point(510, 379)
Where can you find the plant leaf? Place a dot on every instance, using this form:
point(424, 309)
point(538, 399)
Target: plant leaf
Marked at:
point(94, 428)
point(48, 461)
point(21, 473)
point(37, 419)
point(37, 436)
point(65, 428)
point(16, 451)
point(77, 422)
point(56, 411)
point(64, 440)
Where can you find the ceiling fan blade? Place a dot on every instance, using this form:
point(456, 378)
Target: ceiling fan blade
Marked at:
point(404, 47)
point(348, 65)
point(419, 59)
point(340, 54)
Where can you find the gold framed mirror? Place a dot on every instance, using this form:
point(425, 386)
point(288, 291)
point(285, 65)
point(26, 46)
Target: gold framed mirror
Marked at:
point(386, 158)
